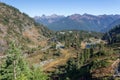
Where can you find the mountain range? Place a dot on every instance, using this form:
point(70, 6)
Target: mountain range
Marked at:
point(64, 55)
point(112, 25)
point(88, 22)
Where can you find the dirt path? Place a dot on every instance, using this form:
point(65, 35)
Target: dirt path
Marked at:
point(59, 61)
point(4, 56)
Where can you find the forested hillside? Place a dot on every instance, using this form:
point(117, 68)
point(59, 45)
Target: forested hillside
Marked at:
point(113, 36)
point(20, 35)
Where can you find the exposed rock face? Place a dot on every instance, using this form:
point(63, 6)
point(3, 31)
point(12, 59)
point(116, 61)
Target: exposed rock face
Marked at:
point(18, 26)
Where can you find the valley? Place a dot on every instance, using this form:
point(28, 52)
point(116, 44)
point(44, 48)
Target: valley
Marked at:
point(76, 49)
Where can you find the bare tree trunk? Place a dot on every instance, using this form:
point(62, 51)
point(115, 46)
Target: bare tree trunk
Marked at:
point(14, 72)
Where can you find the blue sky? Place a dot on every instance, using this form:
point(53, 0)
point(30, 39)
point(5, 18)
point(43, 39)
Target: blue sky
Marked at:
point(66, 7)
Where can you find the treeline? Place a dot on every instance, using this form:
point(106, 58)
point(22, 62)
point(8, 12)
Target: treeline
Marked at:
point(74, 38)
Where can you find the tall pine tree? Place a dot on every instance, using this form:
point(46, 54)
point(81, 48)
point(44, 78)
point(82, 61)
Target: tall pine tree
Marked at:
point(14, 64)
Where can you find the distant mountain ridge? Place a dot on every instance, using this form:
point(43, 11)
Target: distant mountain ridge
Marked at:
point(86, 22)
point(48, 19)
point(112, 25)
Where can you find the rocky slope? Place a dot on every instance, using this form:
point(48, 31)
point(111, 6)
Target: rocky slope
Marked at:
point(18, 26)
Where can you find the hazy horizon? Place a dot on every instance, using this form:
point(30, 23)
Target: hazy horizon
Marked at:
point(67, 7)
point(72, 14)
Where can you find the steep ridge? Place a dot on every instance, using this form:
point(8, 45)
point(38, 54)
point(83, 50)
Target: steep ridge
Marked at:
point(18, 26)
point(112, 25)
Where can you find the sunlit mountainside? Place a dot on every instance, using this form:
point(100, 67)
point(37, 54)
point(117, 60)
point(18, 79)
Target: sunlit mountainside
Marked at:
point(58, 47)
